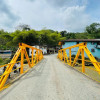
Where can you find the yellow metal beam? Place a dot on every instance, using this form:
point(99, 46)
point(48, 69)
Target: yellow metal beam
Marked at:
point(70, 55)
point(28, 46)
point(32, 57)
point(64, 52)
point(22, 59)
point(9, 68)
point(82, 48)
point(77, 55)
point(27, 58)
point(74, 46)
point(22, 50)
point(83, 62)
point(91, 57)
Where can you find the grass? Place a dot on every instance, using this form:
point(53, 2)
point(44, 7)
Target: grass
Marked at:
point(4, 61)
point(91, 73)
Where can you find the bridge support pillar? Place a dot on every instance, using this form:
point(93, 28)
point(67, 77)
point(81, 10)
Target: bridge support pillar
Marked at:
point(83, 63)
point(64, 55)
point(70, 56)
point(32, 57)
point(22, 59)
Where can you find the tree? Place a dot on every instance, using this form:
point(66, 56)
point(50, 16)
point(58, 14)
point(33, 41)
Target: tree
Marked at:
point(70, 36)
point(4, 39)
point(29, 37)
point(63, 33)
point(50, 38)
point(2, 31)
point(55, 38)
point(43, 37)
point(93, 28)
point(23, 27)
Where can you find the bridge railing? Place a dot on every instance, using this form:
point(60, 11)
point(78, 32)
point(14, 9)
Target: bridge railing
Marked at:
point(72, 61)
point(7, 69)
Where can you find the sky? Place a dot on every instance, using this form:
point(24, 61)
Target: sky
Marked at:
point(58, 15)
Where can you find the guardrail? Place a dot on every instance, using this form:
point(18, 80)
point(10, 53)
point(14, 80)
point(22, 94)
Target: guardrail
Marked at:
point(36, 56)
point(62, 55)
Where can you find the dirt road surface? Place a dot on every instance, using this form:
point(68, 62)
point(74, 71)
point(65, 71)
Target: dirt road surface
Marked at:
point(51, 79)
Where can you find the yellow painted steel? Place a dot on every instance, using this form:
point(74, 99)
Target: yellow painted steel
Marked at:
point(32, 57)
point(83, 62)
point(9, 68)
point(82, 48)
point(77, 55)
point(70, 55)
point(64, 55)
point(21, 50)
point(22, 59)
point(96, 64)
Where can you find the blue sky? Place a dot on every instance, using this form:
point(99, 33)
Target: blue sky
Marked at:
point(93, 8)
point(69, 15)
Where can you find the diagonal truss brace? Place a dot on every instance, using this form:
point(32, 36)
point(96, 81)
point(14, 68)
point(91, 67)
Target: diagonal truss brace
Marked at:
point(21, 50)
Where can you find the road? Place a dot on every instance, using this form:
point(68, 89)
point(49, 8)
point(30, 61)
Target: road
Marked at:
point(51, 79)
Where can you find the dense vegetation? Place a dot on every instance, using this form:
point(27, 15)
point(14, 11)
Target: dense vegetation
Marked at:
point(91, 32)
point(31, 37)
point(24, 34)
point(44, 37)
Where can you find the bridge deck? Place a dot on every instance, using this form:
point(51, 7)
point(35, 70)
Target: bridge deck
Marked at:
point(52, 80)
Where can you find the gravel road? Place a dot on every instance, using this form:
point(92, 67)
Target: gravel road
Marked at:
point(51, 79)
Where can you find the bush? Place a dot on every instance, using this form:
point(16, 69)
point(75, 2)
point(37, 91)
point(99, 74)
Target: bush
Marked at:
point(1, 60)
point(7, 60)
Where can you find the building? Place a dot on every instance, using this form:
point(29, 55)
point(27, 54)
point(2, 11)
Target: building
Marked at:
point(92, 44)
point(53, 50)
point(43, 48)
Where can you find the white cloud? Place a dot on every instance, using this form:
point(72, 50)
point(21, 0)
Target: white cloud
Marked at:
point(67, 3)
point(75, 18)
point(7, 17)
point(40, 13)
point(37, 14)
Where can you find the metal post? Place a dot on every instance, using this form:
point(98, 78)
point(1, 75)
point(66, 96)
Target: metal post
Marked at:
point(32, 57)
point(37, 56)
point(22, 59)
point(61, 55)
point(70, 55)
point(83, 63)
point(40, 55)
point(64, 55)
point(77, 55)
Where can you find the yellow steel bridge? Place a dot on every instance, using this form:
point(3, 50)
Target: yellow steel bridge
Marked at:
point(48, 78)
